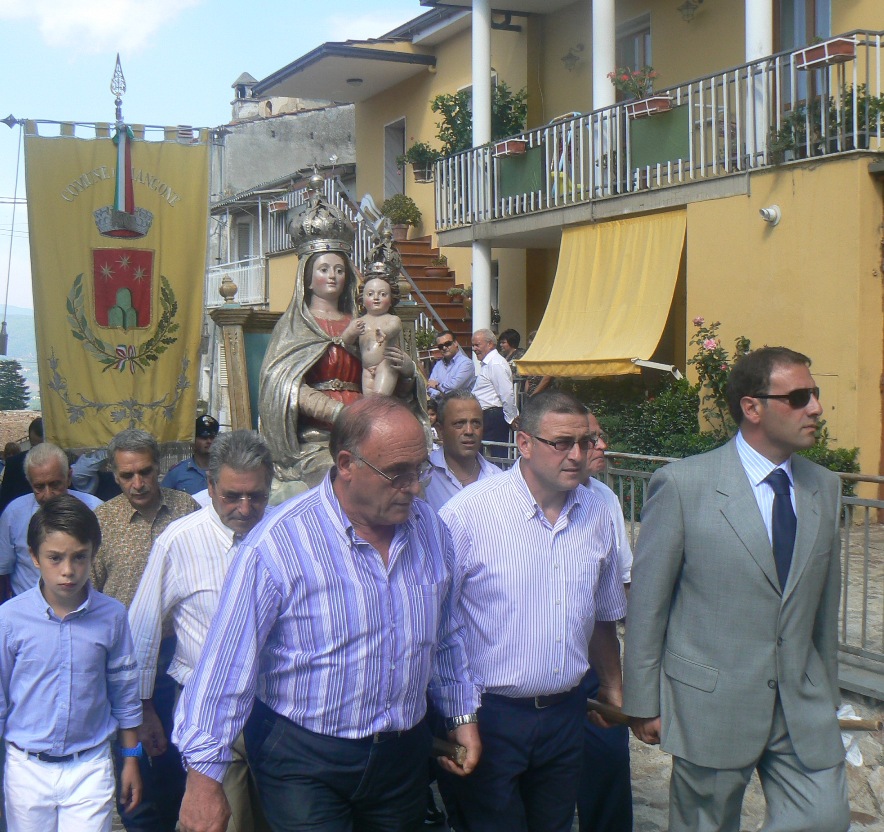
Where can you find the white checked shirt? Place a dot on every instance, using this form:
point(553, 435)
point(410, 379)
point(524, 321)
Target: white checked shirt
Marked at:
point(757, 468)
point(183, 578)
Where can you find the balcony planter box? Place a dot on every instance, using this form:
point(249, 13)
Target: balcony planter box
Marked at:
point(648, 106)
point(834, 51)
point(510, 147)
point(422, 173)
point(278, 206)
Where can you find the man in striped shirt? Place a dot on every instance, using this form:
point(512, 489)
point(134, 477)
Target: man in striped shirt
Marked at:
point(182, 583)
point(538, 583)
point(335, 616)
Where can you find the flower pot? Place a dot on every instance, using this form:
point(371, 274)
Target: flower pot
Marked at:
point(834, 51)
point(511, 147)
point(648, 106)
point(400, 232)
point(436, 271)
point(422, 173)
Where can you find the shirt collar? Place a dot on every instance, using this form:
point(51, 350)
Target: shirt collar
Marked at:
point(44, 606)
point(334, 509)
point(529, 505)
point(756, 465)
point(218, 525)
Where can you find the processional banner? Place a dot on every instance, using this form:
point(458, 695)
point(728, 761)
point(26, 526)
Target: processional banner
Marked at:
point(118, 242)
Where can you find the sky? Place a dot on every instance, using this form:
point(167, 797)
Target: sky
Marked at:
point(179, 58)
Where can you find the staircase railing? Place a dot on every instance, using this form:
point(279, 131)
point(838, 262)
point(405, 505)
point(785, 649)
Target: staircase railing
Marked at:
point(366, 237)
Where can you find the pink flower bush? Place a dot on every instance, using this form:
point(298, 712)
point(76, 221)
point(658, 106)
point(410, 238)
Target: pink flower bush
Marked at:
point(634, 83)
point(699, 321)
point(710, 344)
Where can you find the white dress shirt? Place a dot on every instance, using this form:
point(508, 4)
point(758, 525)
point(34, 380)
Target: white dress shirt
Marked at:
point(494, 386)
point(624, 550)
point(182, 579)
point(757, 468)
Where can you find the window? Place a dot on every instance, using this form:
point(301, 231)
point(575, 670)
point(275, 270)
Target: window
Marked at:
point(798, 22)
point(243, 232)
point(633, 47)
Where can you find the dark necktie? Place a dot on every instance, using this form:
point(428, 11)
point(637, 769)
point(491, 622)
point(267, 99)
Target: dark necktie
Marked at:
point(784, 523)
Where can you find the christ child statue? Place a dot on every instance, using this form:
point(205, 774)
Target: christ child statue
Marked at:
point(375, 331)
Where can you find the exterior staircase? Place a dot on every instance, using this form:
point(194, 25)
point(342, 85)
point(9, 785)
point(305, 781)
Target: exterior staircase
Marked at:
point(416, 256)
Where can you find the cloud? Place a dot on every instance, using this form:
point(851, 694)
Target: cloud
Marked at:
point(96, 25)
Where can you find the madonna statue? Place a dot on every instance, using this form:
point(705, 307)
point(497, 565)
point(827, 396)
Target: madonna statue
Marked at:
point(308, 375)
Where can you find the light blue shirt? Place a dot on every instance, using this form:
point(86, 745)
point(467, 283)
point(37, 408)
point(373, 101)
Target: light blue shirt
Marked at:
point(15, 559)
point(186, 476)
point(457, 374)
point(66, 685)
point(529, 592)
point(443, 485)
point(757, 467)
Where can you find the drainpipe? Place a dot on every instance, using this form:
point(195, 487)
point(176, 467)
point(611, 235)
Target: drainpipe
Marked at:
point(759, 44)
point(481, 69)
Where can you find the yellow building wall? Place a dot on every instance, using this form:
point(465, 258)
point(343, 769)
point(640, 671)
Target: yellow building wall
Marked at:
point(812, 283)
point(411, 100)
point(282, 269)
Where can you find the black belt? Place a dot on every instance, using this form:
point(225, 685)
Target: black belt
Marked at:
point(43, 757)
point(491, 409)
point(538, 702)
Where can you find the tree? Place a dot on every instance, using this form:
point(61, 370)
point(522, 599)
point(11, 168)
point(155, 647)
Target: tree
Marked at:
point(14, 393)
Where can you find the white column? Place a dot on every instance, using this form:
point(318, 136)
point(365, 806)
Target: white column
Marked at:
point(759, 43)
point(481, 135)
point(604, 54)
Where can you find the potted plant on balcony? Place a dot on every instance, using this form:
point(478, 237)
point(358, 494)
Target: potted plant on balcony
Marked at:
point(401, 211)
point(825, 53)
point(466, 296)
point(637, 85)
point(421, 157)
point(438, 267)
point(509, 111)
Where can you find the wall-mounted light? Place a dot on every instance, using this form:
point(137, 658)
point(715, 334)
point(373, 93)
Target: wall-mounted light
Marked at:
point(354, 82)
point(689, 8)
point(571, 58)
point(771, 215)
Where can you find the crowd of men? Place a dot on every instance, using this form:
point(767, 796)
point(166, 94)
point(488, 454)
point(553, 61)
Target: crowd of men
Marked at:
point(286, 656)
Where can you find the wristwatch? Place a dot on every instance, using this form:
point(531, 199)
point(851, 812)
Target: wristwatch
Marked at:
point(137, 751)
point(456, 721)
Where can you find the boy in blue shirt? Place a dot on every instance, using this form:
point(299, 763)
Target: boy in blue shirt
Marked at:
point(68, 680)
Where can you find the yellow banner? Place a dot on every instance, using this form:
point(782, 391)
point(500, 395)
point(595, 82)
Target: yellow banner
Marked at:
point(118, 285)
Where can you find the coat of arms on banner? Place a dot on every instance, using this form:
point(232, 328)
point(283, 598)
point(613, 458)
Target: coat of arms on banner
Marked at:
point(122, 280)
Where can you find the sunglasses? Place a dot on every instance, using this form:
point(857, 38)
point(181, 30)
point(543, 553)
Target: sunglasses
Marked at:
point(797, 398)
point(445, 345)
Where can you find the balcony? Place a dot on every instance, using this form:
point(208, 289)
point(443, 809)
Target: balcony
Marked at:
point(247, 274)
point(780, 109)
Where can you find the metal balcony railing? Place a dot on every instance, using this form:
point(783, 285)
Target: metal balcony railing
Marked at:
point(248, 275)
point(746, 118)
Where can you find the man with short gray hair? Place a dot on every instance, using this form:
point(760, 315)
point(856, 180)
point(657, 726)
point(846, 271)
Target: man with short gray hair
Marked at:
point(48, 472)
point(494, 387)
point(182, 583)
point(130, 524)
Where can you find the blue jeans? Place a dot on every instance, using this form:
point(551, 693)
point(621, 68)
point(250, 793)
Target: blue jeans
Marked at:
point(163, 777)
point(526, 780)
point(604, 801)
point(328, 784)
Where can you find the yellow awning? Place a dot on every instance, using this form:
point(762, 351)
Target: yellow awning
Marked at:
point(611, 297)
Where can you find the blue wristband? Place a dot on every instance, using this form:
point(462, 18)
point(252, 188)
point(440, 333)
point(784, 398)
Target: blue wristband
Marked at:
point(137, 751)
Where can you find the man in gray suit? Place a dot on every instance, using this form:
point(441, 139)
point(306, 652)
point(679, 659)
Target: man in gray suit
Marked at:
point(731, 640)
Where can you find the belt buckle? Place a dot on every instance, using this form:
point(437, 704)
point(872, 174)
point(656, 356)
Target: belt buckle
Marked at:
point(537, 703)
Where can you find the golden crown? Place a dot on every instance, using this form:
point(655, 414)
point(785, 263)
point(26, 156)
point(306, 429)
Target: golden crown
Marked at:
point(320, 226)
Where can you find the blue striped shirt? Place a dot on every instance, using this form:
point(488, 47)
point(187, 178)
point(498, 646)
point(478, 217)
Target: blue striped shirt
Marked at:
point(757, 468)
point(531, 592)
point(312, 623)
point(66, 685)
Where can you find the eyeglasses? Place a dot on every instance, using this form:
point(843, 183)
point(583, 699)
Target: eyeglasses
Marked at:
point(563, 446)
point(255, 498)
point(797, 398)
point(445, 345)
point(601, 436)
point(401, 481)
